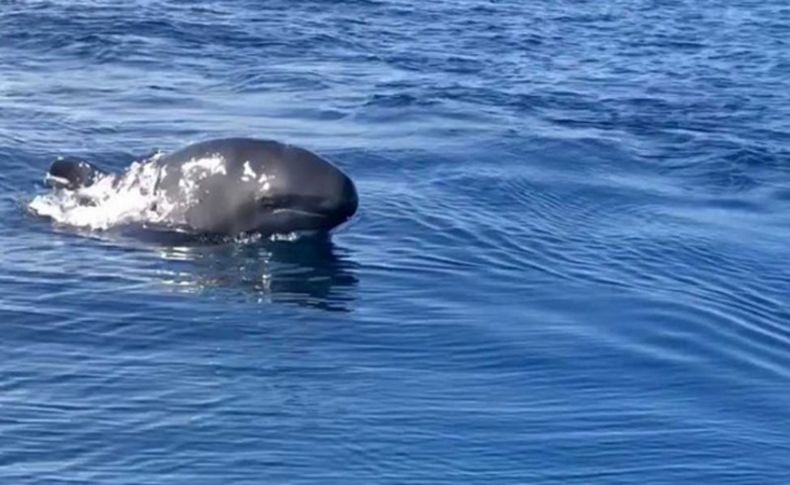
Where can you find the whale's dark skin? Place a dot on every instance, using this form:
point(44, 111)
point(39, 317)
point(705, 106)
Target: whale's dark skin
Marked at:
point(253, 186)
point(72, 173)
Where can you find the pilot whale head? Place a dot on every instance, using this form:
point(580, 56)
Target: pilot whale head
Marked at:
point(234, 186)
point(239, 185)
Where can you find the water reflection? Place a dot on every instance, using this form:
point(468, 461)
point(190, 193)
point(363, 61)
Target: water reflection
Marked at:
point(310, 271)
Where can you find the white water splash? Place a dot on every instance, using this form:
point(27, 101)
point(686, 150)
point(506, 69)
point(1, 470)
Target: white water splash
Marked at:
point(195, 171)
point(129, 198)
point(110, 201)
point(132, 198)
point(249, 173)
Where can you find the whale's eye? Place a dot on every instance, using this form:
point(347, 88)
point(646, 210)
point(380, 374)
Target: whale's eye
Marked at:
point(267, 204)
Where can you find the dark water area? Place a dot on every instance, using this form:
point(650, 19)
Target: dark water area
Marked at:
point(571, 262)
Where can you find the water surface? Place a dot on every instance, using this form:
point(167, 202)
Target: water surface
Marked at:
point(570, 265)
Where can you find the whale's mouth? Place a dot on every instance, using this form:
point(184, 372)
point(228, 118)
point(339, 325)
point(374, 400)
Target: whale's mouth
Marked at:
point(290, 219)
point(311, 212)
point(298, 212)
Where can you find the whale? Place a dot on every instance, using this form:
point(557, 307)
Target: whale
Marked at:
point(231, 186)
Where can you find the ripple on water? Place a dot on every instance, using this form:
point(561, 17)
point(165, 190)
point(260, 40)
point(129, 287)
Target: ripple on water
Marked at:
point(568, 265)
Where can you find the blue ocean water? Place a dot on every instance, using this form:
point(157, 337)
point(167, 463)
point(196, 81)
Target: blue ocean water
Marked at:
point(571, 262)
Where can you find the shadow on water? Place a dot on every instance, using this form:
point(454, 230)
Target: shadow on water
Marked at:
point(309, 271)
